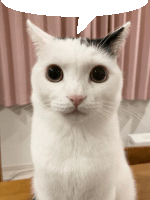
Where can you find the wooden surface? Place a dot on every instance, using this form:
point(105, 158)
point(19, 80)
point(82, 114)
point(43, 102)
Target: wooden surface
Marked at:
point(16, 190)
point(142, 176)
point(1, 177)
point(21, 189)
point(138, 155)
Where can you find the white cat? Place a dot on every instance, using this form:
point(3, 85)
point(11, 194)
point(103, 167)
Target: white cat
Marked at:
point(76, 146)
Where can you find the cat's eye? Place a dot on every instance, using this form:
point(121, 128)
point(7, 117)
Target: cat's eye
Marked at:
point(54, 73)
point(99, 74)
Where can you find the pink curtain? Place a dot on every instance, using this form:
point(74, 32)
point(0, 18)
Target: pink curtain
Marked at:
point(17, 54)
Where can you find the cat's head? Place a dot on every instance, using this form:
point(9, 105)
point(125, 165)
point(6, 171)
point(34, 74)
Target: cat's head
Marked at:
point(76, 76)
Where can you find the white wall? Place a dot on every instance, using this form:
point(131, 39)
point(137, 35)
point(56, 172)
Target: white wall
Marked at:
point(15, 126)
point(134, 118)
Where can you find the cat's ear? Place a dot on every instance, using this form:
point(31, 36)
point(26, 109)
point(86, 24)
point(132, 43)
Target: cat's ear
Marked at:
point(114, 41)
point(38, 37)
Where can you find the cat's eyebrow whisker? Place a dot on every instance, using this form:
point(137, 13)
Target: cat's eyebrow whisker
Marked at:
point(102, 43)
point(104, 40)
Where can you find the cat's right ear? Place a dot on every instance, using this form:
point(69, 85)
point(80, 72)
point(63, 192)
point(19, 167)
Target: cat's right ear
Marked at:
point(38, 37)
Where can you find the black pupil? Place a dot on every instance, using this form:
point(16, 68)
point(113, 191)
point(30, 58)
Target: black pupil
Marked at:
point(99, 73)
point(54, 73)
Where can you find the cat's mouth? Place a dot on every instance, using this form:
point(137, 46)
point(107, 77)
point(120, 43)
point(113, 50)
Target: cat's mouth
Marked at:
point(76, 111)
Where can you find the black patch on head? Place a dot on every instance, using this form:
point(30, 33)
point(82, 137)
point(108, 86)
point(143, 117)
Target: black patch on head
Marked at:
point(107, 43)
point(85, 41)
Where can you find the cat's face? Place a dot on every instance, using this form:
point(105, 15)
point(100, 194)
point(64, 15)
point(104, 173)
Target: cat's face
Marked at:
point(74, 78)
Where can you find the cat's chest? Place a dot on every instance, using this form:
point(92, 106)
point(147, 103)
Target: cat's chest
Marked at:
point(80, 173)
point(77, 153)
point(79, 149)
point(74, 163)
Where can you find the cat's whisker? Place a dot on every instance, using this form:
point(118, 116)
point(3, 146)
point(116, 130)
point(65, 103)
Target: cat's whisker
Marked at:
point(131, 112)
point(18, 119)
point(127, 110)
point(120, 106)
point(105, 117)
point(106, 110)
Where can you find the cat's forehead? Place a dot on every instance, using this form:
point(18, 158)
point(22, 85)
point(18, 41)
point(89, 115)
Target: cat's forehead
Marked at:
point(74, 50)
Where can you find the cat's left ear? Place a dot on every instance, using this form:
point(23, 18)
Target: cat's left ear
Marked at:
point(38, 37)
point(114, 41)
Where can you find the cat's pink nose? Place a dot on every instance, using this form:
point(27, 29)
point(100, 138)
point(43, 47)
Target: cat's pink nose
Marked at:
point(76, 99)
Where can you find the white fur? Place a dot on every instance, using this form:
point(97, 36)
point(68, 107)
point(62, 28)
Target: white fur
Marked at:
point(77, 156)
